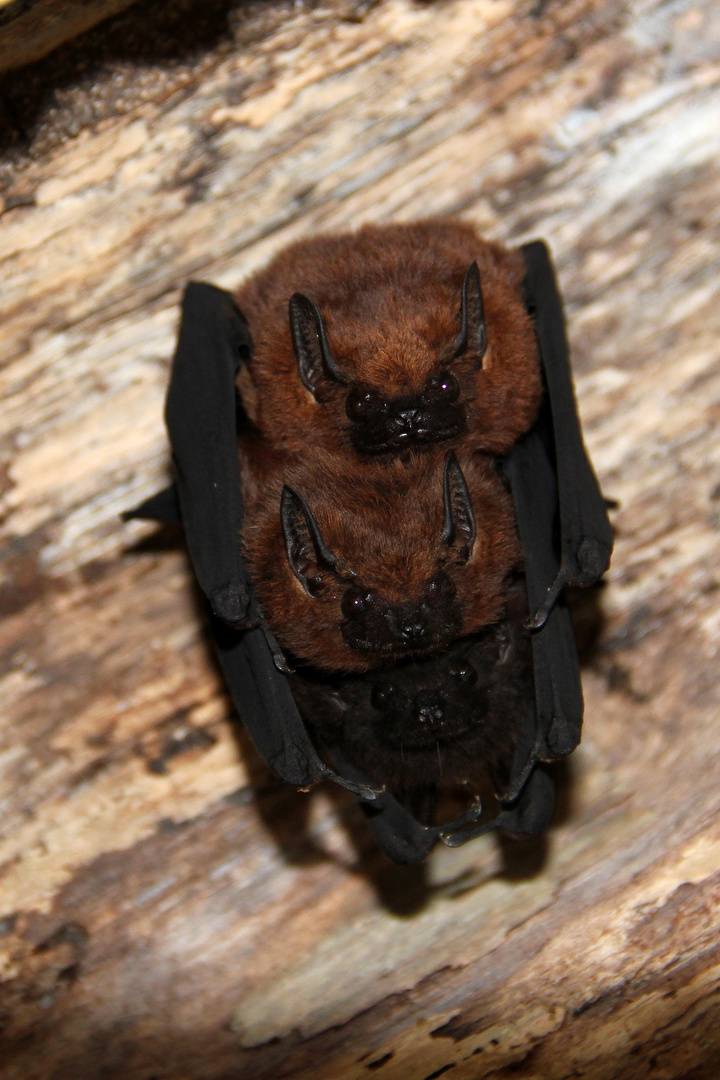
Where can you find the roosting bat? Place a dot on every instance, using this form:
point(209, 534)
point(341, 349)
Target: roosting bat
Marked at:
point(378, 566)
point(450, 719)
point(565, 536)
point(396, 338)
point(450, 716)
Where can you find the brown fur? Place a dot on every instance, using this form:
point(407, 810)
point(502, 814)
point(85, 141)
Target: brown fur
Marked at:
point(384, 525)
point(389, 296)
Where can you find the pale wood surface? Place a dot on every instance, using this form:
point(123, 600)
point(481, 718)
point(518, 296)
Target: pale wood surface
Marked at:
point(166, 909)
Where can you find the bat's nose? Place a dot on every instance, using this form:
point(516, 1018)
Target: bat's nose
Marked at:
point(409, 417)
point(429, 707)
point(408, 423)
point(412, 630)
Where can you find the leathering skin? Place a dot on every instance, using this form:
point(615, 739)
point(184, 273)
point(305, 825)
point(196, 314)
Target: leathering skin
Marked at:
point(385, 529)
point(389, 297)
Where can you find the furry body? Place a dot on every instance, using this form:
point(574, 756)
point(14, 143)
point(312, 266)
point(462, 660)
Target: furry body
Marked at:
point(387, 314)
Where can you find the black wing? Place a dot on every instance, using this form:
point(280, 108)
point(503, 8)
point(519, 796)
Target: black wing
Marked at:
point(586, 536)
point(558, 692)
point(201, 417)
point(562, 518)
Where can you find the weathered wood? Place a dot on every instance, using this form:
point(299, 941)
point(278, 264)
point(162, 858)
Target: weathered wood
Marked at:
point(166, 909)
point(30, 29)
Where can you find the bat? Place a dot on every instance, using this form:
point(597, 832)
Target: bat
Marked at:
point(380, 565)
point(449, 719)
point(394, 339)
point(565, 535)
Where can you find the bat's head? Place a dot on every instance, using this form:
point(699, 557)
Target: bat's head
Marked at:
point(376, 569)
point(412, 609)
point(438, 719)
point(440, 702)
point(481, 684)
point(439, 353)
point(400, 338)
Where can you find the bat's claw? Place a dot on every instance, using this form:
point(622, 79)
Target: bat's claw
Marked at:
point(452, 834)
point(363, 791)
point(539, 619)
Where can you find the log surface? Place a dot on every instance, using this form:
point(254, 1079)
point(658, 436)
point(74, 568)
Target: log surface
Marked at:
point(30, 29)
point(168, 910)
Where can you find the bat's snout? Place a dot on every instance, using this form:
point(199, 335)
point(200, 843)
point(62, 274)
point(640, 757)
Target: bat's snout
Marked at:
point(430, 708)
point(388, 426)
point(413, 631)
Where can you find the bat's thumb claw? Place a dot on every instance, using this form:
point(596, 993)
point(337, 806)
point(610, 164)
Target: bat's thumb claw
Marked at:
point(539, 619)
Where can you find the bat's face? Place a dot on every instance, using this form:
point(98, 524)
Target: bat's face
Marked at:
point(376, 625)
point(400, 338)
point(392, 605)
point(433, 719)
point(382, 424)
point(383, 421)
point(441, 703)
point(359, 572)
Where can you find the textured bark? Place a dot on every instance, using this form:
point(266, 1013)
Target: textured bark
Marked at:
point(166, 908)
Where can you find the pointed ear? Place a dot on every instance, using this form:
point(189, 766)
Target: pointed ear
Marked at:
point(473, 334)
point(459, 530)
point(309, 557)
point(315, 361)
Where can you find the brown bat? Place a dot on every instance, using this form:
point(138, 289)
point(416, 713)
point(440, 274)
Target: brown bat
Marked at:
point(394, 338)
point(393, 573)
point(357, 569)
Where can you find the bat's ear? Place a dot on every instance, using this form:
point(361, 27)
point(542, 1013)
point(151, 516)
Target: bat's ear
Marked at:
point(315, 361)
point(459, 529)
point(309, 557)
point(473, 334)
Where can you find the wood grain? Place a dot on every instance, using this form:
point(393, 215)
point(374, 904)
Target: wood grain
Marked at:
point(166, 908)
point(30, 29)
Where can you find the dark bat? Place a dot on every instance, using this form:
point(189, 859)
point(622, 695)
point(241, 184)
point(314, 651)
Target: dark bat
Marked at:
point(396, 337)
point(449, 721)
point(380, 564)
point(565, 536)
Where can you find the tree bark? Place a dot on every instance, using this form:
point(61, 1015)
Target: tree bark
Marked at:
point(169, 910)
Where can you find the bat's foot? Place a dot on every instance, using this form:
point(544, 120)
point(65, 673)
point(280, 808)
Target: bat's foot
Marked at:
point(530, 815)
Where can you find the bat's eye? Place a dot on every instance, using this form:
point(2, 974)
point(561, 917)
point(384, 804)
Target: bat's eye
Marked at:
point(441, 588)
point(444, 386)
point(355, 601)
point(465, 674)
point(363, 403)
point(380, 696)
